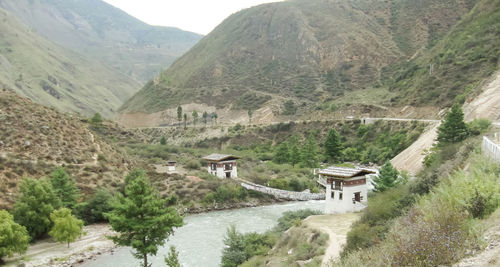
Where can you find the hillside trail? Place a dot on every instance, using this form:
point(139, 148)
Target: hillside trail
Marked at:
point(411, 159)
point(336, 226)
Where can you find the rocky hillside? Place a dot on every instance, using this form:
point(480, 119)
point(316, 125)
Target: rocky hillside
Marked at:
point(55, 76)
point(35, 139)
point(103, 32)
point(304, 51)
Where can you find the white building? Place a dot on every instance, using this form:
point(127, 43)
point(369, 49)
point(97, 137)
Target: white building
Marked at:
point(346, 189)
point(171, 166)
point(222, 166)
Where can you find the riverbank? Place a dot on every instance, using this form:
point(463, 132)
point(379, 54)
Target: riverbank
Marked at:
point(50, 253)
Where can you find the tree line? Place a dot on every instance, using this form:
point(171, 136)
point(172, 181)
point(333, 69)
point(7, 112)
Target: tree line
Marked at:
point(53, 206)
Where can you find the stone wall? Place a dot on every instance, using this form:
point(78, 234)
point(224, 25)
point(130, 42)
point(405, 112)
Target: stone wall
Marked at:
point(283, 194)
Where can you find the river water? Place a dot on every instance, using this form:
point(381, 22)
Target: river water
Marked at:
point(200, 241)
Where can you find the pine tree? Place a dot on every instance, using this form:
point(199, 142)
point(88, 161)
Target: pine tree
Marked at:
point(163, 140)
point(142, 219)
point(96, 120)
point(310, 152)
point(453, 128)
point(205, 116)
point(13, 237)
point(293, 150)
point(250, 114)
point(64, 187)
point(179, 113)
point(172, 259)
point(387, 178)
point(195, 117)
point(333, 146)
point(66, 226)
point(281, 154)
point(34, 206)
point(215, 116)
point(185, 120)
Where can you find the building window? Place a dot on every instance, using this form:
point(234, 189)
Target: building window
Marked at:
point(333, 195)
point(340, 196)
point(228, 167)
point(213, 166)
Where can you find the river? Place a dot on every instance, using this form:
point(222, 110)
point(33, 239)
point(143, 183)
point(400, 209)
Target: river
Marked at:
point(200, 241)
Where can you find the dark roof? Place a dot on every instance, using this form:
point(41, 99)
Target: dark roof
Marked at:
point(343, 172)
point(220, 157)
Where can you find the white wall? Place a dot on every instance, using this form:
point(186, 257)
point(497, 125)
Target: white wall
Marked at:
point(345, 205)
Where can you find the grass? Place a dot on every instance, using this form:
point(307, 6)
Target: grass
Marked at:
point(440, 227)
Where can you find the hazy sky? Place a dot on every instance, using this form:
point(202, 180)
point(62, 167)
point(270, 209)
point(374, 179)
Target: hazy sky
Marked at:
point(200, 16)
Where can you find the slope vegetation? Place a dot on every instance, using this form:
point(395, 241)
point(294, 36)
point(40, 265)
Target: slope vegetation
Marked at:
point(52, 75)
point(34, 140)
point(456, 66)
point(105, 33)
point(304, 51)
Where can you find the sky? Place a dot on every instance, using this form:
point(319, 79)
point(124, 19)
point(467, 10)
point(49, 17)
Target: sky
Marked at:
point(200, 16)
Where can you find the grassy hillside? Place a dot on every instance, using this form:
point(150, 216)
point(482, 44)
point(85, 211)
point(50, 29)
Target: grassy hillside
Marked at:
point(304, 51)
point(34, 140)
point(54, 76)
point(455, 67)
point(105, 33)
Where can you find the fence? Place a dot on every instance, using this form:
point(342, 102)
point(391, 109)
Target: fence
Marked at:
point(491, 149)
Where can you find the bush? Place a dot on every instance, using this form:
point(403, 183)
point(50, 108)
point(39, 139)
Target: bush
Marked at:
point(193, 165)
point(290, 218)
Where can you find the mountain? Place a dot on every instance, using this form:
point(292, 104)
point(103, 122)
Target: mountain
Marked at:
point(55, 76)
point(304, 51)
point(98, 30)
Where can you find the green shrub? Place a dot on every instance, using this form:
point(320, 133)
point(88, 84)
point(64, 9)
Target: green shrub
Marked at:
point(193, 165)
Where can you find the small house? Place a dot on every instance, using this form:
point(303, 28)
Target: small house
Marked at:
point(346, 189)
point(222, 166)
point(171, 166)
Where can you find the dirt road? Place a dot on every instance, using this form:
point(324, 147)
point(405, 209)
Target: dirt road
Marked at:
point(336, 226)
point(50, 253)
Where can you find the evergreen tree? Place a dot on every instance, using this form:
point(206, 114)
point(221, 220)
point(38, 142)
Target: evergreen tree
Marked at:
point(333, 146)
point(234, 252)
point(66, 226)
point(205, 116)
point(387, 178)
point(215, 117)
point(96, 120)
point(453, 128)
point(172, 259)
point(195, 117)
point(13, 237)
point(142, 219)
point(250, 114)
point(310, 152)
point(64, 187)
point(34, 206)
point(163, 140)
point(179, 113)
point(282, 154)
point(185, 120)
point(293, 150)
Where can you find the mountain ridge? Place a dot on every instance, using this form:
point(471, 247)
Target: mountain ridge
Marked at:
point(302, 51)
point(106, 33)
point(54, 76)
